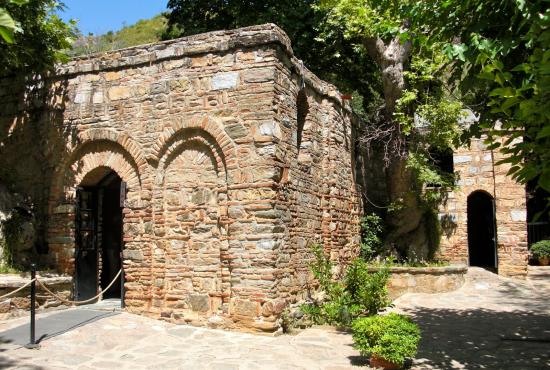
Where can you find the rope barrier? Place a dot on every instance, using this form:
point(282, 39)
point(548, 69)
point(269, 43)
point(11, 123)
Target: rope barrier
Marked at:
point(17, 290)
point(78, 302)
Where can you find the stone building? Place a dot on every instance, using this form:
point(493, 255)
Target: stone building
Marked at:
point(484, 220)
point(203, 166)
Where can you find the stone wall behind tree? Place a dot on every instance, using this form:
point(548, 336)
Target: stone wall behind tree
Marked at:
point(220, 207)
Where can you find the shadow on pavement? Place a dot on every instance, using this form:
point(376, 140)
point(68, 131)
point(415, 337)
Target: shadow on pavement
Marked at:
point(7, 362)
point(479, 338)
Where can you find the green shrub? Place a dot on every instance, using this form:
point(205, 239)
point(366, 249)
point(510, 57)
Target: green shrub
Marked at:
point(541, 249)
point(392, 337)
point(10, 234)
point(372, 229)
point(359, 293)
point(367, 290)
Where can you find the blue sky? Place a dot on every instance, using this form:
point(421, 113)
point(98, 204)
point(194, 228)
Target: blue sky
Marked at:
point(100, 16)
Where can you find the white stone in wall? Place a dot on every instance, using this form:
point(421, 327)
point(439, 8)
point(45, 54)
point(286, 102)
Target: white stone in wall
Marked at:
point(221, 81)
point(266, 244)
point(83, 94)
point(166, 53)
point(487, 158)
point(518, 215)
point(462, 158)
point(270, 129)
point(98, 97)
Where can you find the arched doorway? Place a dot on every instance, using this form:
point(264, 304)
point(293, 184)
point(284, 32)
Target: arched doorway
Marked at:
point(481, 230)
point(99, 199)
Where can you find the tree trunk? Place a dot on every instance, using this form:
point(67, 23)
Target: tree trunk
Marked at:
point(408, 234)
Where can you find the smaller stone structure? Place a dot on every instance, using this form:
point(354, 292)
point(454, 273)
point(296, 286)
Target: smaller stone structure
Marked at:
point(19, 303)
point(485, 218)
point(425, 279)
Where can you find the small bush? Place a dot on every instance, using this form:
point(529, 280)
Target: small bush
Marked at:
point(367, 290)
point(392, 337)
point(541, 249)
point(359, 293)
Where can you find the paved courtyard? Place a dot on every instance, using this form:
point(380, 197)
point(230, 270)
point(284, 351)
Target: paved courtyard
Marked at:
point(491, 323)
point(129, 341)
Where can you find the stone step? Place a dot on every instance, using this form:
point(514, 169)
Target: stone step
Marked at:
point(538, 273)
point(110, 304)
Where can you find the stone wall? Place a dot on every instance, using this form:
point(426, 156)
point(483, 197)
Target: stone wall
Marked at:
point(19, 303)
point(477, 171)
point(226, 188)
point(425, 279)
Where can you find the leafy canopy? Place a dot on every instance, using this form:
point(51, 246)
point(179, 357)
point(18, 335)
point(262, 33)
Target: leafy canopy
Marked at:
point(32, 36)
point(497, 62)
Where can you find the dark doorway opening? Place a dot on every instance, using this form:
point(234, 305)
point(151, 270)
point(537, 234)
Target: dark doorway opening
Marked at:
point(538, 212)
point(482, 230)
point(99, 234)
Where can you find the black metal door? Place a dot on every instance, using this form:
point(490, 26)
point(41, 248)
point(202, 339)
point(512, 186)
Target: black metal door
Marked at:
point(482, 230)
point(86, 244)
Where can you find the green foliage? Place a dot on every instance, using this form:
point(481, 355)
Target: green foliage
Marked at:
point(4, 269)
point(501, 69)
point(367, 290)
point(143, 32)
point(541, 249)
point(359, 293)
point(321, 267)
point(10, 230)
point(32, 36)
point(392, 337)
point(372, 229)
point(8, 26)
point(506, 67)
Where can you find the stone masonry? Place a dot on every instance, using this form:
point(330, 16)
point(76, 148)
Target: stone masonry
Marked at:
point(477, 170)
point(235, 156)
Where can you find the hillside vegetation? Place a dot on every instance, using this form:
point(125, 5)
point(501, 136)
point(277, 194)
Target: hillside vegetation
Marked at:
point(142, 32)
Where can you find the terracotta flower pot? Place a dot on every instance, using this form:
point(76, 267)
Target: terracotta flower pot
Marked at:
point(378, 362)
point(544, 261)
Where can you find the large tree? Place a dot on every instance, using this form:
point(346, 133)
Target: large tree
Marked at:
point(495, 59)
point(32, 36)
point(412, 67)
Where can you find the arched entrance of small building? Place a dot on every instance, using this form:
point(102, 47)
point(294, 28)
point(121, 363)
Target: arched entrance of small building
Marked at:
point(481, 230)
point(100, 200)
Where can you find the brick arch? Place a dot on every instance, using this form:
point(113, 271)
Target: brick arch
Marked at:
point(188, 137)
point(125, 141)
point(94, 152)
point(211, 132)
point(116, 161)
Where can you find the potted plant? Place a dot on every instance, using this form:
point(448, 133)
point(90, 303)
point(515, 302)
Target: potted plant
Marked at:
point(541, 251)
point(388, 339)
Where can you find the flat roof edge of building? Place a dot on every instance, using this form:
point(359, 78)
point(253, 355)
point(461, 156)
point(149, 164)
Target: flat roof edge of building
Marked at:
point(203, 43)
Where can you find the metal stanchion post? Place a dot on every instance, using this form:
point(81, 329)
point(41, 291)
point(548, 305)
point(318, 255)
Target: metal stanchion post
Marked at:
point(121, 280)
point(32, 344)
